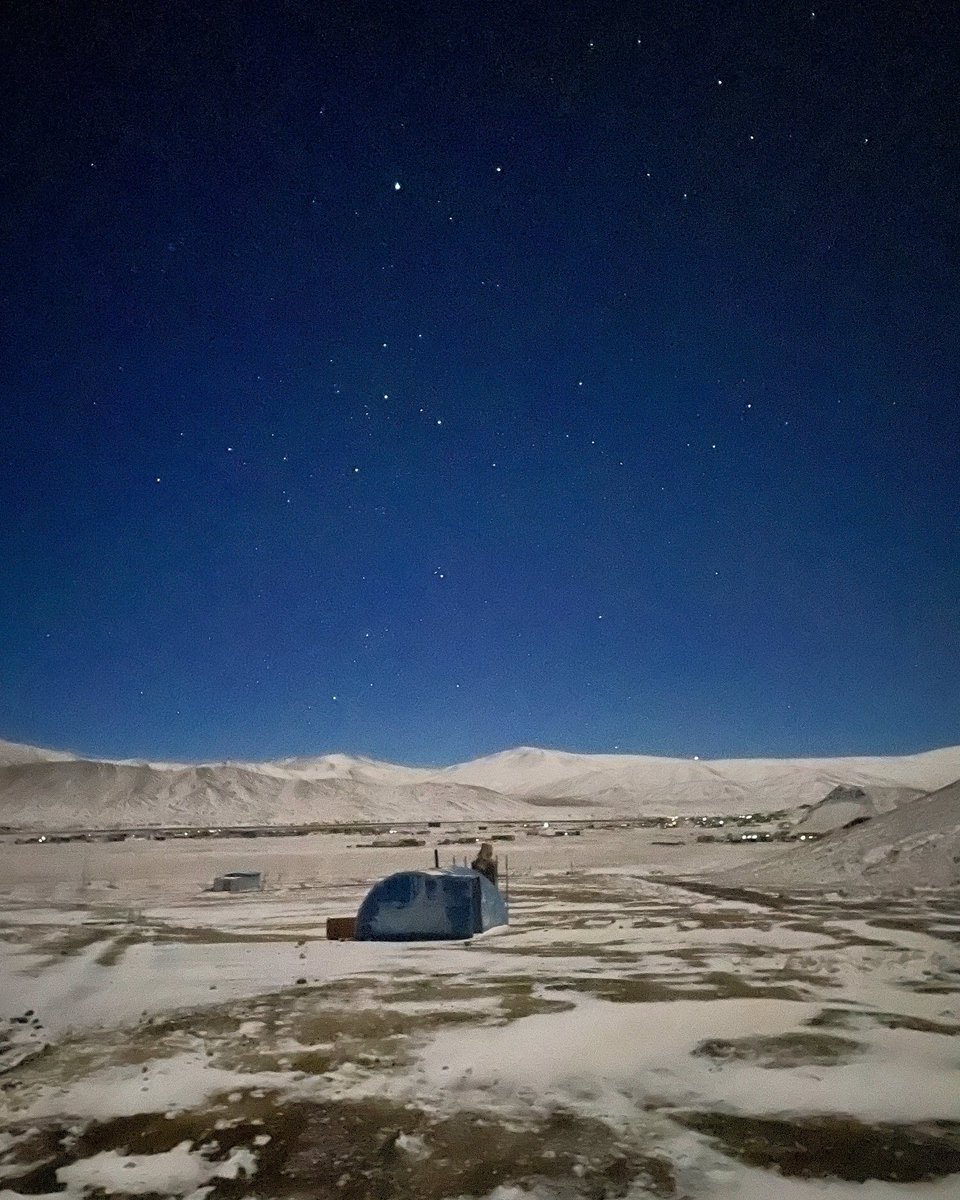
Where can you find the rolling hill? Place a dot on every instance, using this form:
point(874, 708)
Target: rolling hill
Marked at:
point(914, 845)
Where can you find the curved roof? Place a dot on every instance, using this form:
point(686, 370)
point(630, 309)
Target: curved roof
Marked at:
point(428, 905)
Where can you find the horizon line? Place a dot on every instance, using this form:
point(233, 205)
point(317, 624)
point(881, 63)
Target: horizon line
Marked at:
point(79, 756)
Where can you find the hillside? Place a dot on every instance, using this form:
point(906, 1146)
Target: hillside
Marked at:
point(98, 795)
point(632, 784)
point(846, 804)
point(915, 845)
point(16, 752)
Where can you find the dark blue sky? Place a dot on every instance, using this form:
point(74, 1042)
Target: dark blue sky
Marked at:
point(628, 420)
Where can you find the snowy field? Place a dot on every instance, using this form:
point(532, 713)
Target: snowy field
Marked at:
point(628, 1036)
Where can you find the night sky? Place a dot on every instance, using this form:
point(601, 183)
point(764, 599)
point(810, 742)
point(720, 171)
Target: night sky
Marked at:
point(418, 380)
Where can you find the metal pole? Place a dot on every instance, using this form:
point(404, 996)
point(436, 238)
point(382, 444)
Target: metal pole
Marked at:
point(436, 858)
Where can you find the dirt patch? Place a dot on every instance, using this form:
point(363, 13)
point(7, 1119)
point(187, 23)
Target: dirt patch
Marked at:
point(777, 901)
point(315, 1030)
point(850, 1018)
point(827, 1147)
point(359, 1150)
point(787, 1050)
point(115, 949)
point(945, 933)
point(64, 943)
point(501, 997)
point(733, 987)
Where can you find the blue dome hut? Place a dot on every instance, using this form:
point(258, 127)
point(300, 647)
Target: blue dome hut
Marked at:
point(414, 906)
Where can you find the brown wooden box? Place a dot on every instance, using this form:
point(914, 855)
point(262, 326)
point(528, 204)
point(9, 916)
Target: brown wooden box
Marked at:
point(340, 929)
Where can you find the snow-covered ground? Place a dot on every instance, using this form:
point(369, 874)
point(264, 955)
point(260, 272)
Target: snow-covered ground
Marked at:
point(627, 1036)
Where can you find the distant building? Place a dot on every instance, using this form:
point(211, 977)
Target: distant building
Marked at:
point(239, 881)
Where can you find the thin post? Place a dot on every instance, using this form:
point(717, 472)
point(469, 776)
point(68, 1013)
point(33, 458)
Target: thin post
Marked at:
point(436, 858)
point(506, 876)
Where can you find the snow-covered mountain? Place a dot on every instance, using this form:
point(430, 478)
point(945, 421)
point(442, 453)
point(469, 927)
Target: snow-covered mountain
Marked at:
point(342, 766)
point(16, 752)
point(50, 790)
point(98, 795)
point(627, 783)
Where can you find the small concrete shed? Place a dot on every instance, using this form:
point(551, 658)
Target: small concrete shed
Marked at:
point(239, 881)
point(413, 906)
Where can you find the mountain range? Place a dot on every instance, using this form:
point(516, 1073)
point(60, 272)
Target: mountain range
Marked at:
point(50, 790)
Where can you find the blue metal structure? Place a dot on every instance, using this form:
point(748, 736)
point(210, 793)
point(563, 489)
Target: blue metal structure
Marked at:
point(414, 906)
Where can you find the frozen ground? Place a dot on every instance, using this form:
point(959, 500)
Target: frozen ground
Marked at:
point(628, 1036)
